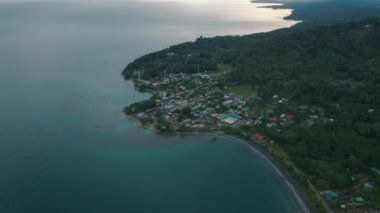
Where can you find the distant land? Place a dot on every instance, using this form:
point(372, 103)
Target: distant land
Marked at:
point(308, 95)
point(324, 12)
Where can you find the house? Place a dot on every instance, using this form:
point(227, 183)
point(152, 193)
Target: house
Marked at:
point(289, 116)
point(141, 115)
point(229, 118)
point(367, 186)
point(272, 120)
point(357, 199)
point(314, 117)
point(329, 195)
point(168, 106)
point(238, 98)
point(287, 122)
point(197, 126)
point(259, 137)
point(227, 103)
point(376, 171)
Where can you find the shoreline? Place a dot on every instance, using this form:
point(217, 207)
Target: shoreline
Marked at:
point(288, 181)
point(285, 178)
point(290, 184)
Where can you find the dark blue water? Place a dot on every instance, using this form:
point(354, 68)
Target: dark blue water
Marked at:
point(64, 145)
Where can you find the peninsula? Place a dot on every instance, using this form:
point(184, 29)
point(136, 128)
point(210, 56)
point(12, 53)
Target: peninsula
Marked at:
point(307, 95)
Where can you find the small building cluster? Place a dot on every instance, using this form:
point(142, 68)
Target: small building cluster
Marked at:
point(199, 102)
point(196, 101)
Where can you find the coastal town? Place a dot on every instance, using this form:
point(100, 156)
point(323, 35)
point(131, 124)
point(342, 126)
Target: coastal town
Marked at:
point(190, 106)
point(199, 102)
point(196, 102)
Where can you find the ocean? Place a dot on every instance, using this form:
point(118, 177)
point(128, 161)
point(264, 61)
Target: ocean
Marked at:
point(65, 145)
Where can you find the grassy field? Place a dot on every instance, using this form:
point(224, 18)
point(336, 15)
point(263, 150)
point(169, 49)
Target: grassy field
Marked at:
point(245, 91)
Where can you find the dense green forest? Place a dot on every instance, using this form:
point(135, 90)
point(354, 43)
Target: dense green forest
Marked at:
point(327, 12)
point(335, 69)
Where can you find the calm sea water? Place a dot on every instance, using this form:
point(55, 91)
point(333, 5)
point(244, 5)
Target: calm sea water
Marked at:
point(64, 146)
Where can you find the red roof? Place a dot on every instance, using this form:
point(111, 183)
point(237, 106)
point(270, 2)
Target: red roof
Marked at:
point(259, 137)
point(273, 119)
point(289, 116)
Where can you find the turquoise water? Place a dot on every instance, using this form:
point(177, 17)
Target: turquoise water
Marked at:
point(64, 145)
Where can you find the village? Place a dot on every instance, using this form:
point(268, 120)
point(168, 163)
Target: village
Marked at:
point(198, 102)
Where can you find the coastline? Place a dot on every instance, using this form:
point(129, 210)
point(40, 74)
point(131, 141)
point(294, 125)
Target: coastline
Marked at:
point(199, 107)
point(285, 178)
point(289, 182)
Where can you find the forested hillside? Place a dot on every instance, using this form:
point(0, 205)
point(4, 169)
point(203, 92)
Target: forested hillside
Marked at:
point(331, 71)
point(327, 12)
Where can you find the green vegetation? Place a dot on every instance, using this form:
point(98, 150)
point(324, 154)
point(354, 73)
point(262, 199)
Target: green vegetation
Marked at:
point(328, 12)
point(184, 113)
point(163, 126)
point(245, 91)
point(331, 71)
point(140, 106)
